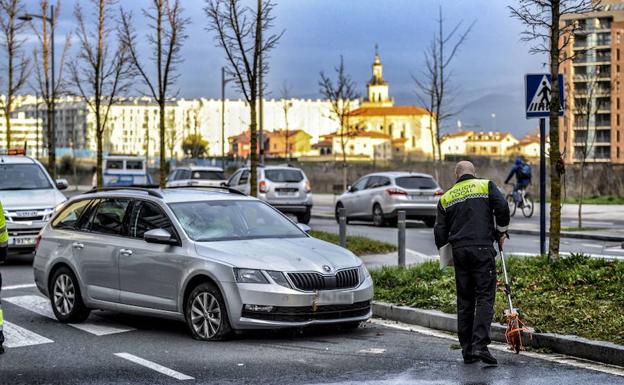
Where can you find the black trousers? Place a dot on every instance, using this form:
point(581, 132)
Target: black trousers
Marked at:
point(475, 279)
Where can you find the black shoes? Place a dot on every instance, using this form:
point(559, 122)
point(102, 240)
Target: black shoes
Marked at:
point(485, 356)
point(470, 359)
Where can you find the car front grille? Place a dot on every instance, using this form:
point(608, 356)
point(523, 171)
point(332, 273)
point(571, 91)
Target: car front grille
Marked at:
point(307, 313)
point(344, 279)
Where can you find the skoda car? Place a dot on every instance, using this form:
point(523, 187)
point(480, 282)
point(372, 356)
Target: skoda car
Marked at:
point(220, 261)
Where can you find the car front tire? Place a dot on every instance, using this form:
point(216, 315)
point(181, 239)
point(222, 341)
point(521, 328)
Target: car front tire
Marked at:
point(66, 298)
point(206, 315)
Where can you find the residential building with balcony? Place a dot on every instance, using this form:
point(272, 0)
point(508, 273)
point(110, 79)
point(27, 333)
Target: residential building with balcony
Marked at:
point(594, 115)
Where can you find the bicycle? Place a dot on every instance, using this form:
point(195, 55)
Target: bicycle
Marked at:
point(527, 206)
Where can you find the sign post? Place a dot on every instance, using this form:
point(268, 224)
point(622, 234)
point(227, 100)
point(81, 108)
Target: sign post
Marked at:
point(537, 105)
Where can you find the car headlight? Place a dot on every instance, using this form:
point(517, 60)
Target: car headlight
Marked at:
point(249, 276)
point(279, 278)
point(364, 274)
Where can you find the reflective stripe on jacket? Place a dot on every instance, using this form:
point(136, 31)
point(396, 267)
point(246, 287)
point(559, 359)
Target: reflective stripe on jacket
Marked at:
point(4, 234)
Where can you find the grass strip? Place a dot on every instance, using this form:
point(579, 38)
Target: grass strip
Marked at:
point(573, 295)
point(357, 244)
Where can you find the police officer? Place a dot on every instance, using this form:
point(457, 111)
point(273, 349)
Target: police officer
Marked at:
point(4, 245)
point(472, 215)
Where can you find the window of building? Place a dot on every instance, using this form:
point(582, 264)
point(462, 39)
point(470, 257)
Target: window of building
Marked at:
point(617, 53)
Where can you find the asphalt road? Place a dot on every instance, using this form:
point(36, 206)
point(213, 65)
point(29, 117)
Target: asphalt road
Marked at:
point(112, 348)
point(419, 239)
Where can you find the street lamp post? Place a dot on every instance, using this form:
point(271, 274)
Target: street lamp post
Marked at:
point(52, 91)
point(224, 81)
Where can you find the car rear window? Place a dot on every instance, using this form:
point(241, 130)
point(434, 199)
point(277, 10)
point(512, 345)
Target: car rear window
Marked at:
point(208, 175)
point(283, 175)
point(114, 164)
point(416, 182)
point(134, 165)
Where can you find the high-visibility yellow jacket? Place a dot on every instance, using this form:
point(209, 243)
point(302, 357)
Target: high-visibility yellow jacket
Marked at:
point(4, 234)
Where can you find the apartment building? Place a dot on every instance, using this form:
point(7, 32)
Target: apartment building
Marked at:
point(594, 115)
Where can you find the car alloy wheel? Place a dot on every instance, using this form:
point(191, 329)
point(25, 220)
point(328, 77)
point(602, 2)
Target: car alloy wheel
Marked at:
point(205, 315)
point(378, 217)
point(64, 294)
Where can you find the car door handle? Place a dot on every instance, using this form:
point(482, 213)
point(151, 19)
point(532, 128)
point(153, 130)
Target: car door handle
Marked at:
point(78, 245)
point(125, 252)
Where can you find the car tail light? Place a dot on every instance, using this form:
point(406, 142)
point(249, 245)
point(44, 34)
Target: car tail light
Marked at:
point(263, 187)
point(396, 191)
point(438, 192)
point(308, 187)
point(37, 240)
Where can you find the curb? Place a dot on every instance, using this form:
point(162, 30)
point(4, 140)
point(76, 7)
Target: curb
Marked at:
point(564, 234)
point(605, 352)
point(573, 234)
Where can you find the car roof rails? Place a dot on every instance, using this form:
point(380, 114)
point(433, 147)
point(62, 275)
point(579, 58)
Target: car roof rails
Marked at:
point(149, 189)
point(222, 188)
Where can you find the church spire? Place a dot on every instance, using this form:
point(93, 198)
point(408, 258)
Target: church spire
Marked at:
point(378, 93)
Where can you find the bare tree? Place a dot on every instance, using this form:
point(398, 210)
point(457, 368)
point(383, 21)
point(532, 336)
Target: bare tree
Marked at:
point(17, 64)
point(434, 87)
point(100, 71)
point(586, 110)
point(286, 104)
point(167, 27)
point(49, 89)
point(340, 94)
point(239, 30)
point(550, 35)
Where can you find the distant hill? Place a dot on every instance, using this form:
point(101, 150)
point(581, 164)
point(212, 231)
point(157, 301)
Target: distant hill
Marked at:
point(509, 110)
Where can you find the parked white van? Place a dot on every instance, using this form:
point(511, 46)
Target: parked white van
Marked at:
point(124, 170)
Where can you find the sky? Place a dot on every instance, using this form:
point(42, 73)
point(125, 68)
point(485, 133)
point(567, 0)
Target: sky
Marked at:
point(488, 72)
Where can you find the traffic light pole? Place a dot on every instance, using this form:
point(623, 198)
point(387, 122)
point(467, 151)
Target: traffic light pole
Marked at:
point(542, 186)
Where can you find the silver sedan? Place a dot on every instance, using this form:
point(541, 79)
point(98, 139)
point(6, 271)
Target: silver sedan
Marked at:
point(219, 261)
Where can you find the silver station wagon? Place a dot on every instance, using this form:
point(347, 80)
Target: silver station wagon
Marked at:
point(218, 260)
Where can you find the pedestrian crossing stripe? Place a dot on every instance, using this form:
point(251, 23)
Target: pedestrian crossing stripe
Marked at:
point(17, 337)
point(41, 305)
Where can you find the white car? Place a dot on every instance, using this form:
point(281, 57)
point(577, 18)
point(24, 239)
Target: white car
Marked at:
point(29, 197)
point(199, 176)
point(124, 170)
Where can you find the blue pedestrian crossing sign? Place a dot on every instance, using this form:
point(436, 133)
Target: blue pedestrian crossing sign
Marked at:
point(537, 95)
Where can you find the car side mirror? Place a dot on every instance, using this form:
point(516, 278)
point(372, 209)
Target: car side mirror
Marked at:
point(160, 236)
point(62, 184)
point(305, 228)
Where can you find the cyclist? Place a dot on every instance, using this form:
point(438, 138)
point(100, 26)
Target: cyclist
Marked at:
point(522, 172)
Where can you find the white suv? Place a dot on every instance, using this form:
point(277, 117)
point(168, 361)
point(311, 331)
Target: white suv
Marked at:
point(283, 187)
point(29, 197)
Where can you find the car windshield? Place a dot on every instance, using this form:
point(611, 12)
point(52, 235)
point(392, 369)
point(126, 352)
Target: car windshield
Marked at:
point(416, 183)
point(23, 177)
point(207, 175)
point(284, 175)
point(206, 221)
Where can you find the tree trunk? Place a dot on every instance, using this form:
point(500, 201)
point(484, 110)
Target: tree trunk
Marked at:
point(161, 132)
point(556, 163)
point(51, 143)
point(7, 119)
point(253, 149)
point(99, 158)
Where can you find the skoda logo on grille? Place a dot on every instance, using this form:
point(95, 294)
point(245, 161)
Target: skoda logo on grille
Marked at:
point(326, 268)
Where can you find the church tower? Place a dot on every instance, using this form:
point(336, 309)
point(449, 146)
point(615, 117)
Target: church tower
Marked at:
point(378, 93)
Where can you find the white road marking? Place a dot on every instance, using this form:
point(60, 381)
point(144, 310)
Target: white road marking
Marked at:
point(557, 358)
point(597, 223)
point(591, 245)
point(373, 351)
point(40, 305)
point(15, 287)
point(154, 366)
point(16, 336)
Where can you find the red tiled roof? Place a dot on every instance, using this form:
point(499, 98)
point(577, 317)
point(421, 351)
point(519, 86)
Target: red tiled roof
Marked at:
point(389, 111)
point(458, 134)
point(488, 136)
point(359, 134)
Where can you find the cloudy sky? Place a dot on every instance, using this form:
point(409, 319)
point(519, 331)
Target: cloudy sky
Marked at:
point(488, 71)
